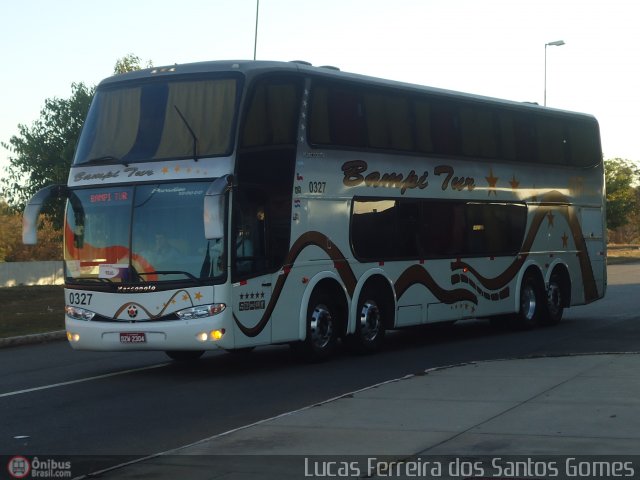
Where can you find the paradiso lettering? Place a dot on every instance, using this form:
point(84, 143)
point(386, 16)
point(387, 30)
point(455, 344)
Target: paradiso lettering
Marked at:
point(354, 176)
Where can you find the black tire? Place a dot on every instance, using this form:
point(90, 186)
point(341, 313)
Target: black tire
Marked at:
point(555, 301)
point(371, 319)
point(184, 355)
point(322, 328)
point(533, 303)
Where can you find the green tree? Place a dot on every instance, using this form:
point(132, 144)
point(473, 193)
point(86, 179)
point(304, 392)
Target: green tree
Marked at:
point(41, 155)
point(129, 63)
point(622, 201)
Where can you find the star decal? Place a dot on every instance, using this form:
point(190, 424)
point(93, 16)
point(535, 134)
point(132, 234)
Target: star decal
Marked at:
point(550, 217)
point(565, 240)
point(492, 183)
point(198, 296)
point(185, 297)
point(165, 170)
point(177, 169)
point(514, 183)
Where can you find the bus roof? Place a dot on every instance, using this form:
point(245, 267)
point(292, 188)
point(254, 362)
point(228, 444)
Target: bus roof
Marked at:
point(251, 68)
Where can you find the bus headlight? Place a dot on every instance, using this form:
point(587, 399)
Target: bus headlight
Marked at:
point(78, 313)
point(213, 335)
point(201, 311)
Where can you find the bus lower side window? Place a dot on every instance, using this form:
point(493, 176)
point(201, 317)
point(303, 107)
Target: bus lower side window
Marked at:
point(411, 229)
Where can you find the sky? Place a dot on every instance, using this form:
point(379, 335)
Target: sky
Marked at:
point(487, 47)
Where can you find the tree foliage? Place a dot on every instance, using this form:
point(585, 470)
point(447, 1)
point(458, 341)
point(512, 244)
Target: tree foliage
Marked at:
point(49, 245)
point(622, 199)
point(129, 63)
point(41, 155)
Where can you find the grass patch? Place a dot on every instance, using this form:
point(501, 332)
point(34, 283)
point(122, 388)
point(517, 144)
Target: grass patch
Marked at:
point(31, 309)
point(623, 255)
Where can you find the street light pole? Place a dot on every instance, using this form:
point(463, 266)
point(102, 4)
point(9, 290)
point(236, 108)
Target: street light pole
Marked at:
point(557, 43)
point(255, 38)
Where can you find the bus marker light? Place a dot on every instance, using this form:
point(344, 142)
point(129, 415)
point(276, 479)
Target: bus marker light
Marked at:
point(305, 280)
point(73, 337)
point(217, 334)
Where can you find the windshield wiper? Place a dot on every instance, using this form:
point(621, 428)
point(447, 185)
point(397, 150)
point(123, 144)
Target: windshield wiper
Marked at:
point(105, 159)
point(193, 134)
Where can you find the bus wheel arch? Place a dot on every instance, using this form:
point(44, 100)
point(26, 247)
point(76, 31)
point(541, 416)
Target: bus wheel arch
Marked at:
point(373, 314)
point(324, 320)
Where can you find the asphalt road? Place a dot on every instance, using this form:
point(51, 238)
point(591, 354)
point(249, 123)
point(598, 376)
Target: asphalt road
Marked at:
point(56, 401)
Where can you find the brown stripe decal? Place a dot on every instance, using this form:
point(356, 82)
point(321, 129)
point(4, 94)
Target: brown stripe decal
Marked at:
point(310, 238)
point(149, 314)
point(416, 274)
point(560, 206)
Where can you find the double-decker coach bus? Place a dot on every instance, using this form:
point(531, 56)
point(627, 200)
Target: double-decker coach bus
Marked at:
point(237, 204)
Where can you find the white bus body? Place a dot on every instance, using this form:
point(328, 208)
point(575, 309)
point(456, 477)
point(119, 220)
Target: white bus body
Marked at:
point(293, 204)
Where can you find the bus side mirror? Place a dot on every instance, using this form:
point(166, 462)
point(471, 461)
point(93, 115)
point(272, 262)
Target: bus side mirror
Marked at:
point(215, 201)
point(33, 209)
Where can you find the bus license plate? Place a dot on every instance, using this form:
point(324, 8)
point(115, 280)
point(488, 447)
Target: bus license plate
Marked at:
point(133, 337)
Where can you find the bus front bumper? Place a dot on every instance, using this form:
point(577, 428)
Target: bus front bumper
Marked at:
point(198, 334)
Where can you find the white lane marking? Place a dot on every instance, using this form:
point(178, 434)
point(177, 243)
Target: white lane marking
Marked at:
point(82, 380)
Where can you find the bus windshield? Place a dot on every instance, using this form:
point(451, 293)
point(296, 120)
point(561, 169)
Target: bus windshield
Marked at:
point(159, 119)
point(143, 233)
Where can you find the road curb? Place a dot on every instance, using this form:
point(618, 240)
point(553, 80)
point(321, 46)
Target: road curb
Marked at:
point(31, 339)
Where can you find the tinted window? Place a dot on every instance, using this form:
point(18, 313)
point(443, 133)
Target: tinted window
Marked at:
point(368, 118)
point(272, 115)
point(409, 228)
point(160, 119)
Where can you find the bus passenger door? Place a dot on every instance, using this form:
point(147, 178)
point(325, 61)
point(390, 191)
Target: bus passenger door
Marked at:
point(251, 266)
point(250, 300)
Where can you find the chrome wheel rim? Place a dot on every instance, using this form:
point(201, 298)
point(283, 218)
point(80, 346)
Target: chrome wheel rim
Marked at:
point(554, 298)
point(369, 321)
point(321, 327)
point(528, 302)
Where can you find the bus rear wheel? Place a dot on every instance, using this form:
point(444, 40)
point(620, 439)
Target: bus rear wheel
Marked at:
point(370, 325)
point(184, 355)
point(532, 303)
point(555, 300)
